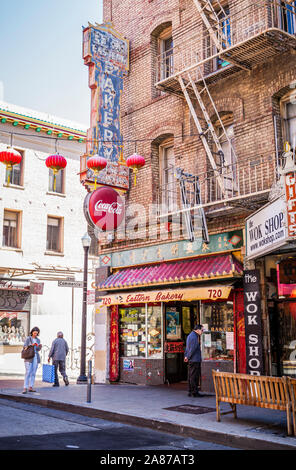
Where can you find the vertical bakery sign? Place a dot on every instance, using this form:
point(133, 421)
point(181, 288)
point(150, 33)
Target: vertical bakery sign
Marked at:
point(253, 327)
point(106, 53)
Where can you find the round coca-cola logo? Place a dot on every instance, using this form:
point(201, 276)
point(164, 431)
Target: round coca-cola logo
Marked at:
point(104, 208)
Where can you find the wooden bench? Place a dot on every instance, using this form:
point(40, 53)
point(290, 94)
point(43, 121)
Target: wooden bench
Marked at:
point(292, 393)
point(274, 393)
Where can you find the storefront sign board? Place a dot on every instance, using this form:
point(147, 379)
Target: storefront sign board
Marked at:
point(266, 230)
point(253, 327)
point(219, 243)
point(215, 292)
point(290, 188)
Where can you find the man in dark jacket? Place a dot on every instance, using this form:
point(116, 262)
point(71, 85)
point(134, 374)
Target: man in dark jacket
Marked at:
point(58, 352)
point(193, 357)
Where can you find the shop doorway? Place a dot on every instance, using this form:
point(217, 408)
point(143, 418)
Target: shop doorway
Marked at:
point(282, 318)
point(179, 321)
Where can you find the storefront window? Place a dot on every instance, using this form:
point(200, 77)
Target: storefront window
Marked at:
point(218, 336)
point(13, 328)
point(132, 329)
point(154, 332)
point(141, 331)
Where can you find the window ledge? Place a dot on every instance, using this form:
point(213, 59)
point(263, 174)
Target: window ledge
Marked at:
point(11, 248)
point(52, 193)
point(53, 253)
point(13, 186)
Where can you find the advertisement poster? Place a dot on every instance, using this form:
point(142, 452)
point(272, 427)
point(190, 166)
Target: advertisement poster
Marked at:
point(173, 327)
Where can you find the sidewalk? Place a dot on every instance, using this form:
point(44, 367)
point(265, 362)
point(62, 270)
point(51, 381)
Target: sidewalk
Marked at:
point(156, 407)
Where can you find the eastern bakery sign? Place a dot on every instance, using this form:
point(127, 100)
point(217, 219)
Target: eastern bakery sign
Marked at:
point(104, 208)
point(198, 293)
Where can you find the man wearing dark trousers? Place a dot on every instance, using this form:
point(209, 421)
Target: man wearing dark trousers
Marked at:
point(193, 357)
point(58, 352)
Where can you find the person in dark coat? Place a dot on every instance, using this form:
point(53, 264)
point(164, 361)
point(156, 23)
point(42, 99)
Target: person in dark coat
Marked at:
point(58, 352)
point(193, 357)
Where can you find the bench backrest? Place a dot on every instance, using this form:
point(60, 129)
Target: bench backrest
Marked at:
point(292, 389)
point(251, 389)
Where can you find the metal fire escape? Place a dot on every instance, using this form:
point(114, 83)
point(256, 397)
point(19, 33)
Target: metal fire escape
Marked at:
point(246, 36)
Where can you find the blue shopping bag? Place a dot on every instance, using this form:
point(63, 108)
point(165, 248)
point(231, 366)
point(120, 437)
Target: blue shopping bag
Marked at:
point(48, 373)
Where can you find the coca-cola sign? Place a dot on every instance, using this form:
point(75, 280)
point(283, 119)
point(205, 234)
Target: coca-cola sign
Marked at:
point(104, 208)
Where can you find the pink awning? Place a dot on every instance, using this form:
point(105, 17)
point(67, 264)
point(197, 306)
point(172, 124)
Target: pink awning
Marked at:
point(199, 269)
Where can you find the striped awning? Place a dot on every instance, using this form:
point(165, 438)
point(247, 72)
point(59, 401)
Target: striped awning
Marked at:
point(198, 269)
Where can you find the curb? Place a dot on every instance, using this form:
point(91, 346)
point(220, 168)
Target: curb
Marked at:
point(240, 442)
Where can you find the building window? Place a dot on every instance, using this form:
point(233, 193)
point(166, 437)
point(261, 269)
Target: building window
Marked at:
point(166, 57)
point(167, 176)
point(54, 240)
point(59, 186)
point(11, 229)
point(289, 115)
point(16, 174)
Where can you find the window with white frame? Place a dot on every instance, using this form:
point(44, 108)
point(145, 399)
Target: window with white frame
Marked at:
point(54, 241)
point(167, 175)
point(11, 229)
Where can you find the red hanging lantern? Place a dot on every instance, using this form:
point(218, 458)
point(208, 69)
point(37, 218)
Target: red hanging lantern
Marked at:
point(135, 162)
point(9, 158)
point(56, 163)
point(96, 164)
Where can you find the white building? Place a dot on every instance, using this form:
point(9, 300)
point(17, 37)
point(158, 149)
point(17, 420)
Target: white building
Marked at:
point(40, 236)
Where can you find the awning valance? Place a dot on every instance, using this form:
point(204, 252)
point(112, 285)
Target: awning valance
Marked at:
point(198, 269)
point(209, 292)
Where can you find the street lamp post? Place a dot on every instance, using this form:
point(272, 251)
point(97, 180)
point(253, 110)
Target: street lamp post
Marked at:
point(82, 379)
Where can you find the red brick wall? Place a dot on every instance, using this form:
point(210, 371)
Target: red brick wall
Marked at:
point(146, 115)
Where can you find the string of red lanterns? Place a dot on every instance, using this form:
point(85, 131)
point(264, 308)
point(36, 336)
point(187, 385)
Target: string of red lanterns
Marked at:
point(57, 162)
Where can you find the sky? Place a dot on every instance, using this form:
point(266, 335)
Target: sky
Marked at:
point(41, 65)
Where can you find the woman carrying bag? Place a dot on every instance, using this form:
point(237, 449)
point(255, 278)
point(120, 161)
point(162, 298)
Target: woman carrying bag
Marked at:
point(31, 363)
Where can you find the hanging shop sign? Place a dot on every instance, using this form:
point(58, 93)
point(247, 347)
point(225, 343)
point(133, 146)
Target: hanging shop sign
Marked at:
point(215, 292)
point(106, 53)
point(253, 327)
point(104, 208)
point(290, 189)
point(174, 347)
point(266, 230)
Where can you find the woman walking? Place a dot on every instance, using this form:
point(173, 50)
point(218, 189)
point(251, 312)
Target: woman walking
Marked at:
point(32, 364)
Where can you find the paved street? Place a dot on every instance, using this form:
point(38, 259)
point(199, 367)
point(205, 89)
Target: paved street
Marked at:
point(31, 427)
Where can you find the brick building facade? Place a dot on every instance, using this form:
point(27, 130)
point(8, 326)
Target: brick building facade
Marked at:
point(228, 67)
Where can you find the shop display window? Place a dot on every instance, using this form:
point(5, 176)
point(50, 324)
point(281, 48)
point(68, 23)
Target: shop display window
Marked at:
point(140, 331)
point(132, 330)
point(154, 332)
point(13, 328)
point(218, 335)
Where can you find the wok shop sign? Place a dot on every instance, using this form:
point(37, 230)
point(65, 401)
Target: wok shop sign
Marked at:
point(266, 229)
point(253, 328)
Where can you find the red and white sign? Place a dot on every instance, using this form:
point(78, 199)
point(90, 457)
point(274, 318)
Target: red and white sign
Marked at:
point(104, 208)
point(290, 184)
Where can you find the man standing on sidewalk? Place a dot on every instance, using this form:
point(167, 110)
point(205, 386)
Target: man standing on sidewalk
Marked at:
point(58, 352)
point(193, 357)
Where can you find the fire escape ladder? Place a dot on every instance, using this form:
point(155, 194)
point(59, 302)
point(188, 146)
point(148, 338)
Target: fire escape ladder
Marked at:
point(211, 19)
point(193, 211)
point(201, 132)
